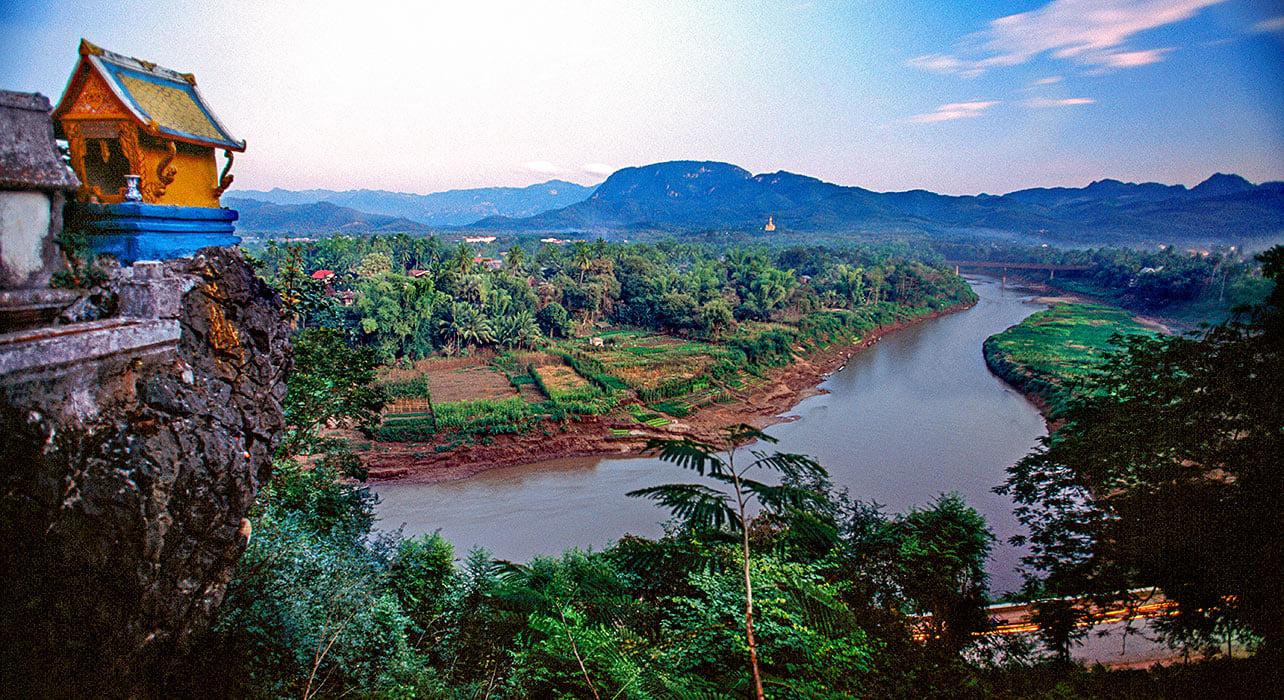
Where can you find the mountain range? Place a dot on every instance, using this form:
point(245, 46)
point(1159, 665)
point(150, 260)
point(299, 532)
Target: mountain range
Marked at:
point(314, 218)
point(449, 208)
point(692, 196)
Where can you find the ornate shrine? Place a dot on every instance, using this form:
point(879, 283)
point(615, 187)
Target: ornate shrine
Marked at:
point(143, 141)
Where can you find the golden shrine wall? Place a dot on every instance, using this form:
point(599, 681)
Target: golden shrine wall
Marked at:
point(99, 129)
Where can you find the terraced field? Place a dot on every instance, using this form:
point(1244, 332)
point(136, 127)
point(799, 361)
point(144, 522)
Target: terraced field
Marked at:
point(441, 395)
point(647, 360)
point(654, 377)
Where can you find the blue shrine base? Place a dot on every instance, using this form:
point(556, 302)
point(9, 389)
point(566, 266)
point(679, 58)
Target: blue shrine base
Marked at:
point(132, 231)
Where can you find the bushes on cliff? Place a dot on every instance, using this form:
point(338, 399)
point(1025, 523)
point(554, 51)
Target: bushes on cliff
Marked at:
point(332, 384)
point(309, 612)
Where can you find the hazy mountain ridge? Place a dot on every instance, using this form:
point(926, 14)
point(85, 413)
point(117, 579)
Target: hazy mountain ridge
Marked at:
point(315, 218)
point(701, 195)
point(448, 208)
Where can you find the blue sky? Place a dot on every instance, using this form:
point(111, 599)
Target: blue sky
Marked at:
point(949, 96)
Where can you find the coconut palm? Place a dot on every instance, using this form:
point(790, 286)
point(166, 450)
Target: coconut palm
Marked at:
point(517, 330)
point(463, 261)
point(516, 258)
point(471, 288)
point(467, 326)
point(582, 258)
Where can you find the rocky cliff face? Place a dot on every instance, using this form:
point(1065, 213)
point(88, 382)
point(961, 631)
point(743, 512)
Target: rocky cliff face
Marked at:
point(127, 479)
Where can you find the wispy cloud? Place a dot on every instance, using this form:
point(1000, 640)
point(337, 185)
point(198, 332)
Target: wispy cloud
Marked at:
point(544, 167)
point(1132, 59)
point(1061, 102)
point(597, 169)
point(1050, 80)
point(1091, 33)
point(952, 111)
point(1268, 26)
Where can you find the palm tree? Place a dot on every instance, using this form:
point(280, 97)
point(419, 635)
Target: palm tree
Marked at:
point(471, 288)
point(516, 258)
point(717, 510)
point(463, 258)
point(517, 330)
point(467, 326)
point(582, 258)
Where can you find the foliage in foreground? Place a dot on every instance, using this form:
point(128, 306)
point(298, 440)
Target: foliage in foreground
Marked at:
point(321, 606)
point(1167, 474)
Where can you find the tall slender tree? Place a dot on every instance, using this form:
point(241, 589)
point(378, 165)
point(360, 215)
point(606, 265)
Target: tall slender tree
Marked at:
point(725, 508)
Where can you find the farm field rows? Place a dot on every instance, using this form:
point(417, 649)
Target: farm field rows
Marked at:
point(571, 378)
point(631, 377)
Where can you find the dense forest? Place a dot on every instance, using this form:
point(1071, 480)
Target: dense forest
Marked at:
point(1166, 475)
point(1187, 284)
point(472, 347)
point(409, 297)
point(814, 594)
point(846, 599)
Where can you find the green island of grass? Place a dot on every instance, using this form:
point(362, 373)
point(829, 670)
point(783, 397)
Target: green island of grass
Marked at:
point(1053, 353)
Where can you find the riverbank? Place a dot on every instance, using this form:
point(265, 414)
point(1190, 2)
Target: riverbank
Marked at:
point(1050, 294)
point(1049, 355)
point(760, 406)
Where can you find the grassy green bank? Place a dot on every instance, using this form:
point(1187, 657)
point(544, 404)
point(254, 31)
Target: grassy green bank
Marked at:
point(1051, 353)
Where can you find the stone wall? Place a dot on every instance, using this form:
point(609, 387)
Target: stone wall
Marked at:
point(127, 477)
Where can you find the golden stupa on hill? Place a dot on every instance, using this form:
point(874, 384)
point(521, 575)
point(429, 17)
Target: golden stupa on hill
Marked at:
point(771, 225)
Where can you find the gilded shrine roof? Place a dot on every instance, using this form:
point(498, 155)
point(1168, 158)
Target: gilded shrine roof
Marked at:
point(163, 99)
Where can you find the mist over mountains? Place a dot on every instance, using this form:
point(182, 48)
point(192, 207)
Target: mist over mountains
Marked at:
point(693, 196)
point(449, 208)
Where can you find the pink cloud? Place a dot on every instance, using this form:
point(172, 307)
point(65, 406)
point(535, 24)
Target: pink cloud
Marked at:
point(1091, 33)
point(952, 111)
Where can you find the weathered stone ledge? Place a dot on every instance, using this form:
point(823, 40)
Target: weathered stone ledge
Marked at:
point(61, 346)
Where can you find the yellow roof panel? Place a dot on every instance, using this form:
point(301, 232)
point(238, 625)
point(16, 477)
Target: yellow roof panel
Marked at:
point(170, 107)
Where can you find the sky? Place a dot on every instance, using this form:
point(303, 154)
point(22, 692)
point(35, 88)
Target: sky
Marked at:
point(954, 97)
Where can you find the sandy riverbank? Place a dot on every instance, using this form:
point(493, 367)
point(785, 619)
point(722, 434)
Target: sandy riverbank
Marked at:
point(762, 406)
point(1050, 295)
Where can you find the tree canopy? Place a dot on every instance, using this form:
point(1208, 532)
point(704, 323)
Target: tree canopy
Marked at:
point(1167, 473)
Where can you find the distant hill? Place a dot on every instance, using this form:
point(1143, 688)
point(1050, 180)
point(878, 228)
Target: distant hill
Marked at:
point(695, 195)
point(314, 218)
point(450, 208)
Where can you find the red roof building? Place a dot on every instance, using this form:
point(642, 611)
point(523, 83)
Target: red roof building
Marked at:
point(323, 275)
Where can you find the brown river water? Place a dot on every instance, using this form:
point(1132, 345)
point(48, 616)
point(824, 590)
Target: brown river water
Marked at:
point(916, 415)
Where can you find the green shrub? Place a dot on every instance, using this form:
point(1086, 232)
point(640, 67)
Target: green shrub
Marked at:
point(416, 388)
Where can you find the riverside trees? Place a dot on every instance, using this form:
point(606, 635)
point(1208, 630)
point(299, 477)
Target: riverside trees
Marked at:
point(409, 297)
point(1167, 473)
point(322, 606)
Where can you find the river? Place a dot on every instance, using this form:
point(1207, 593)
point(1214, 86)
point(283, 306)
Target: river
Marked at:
point(916, 415)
